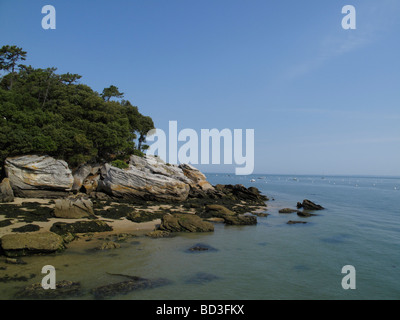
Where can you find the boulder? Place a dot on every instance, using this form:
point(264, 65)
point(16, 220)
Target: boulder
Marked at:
point(71, 208)
point(20, 244)
point(309, 205)
point(38, 176)
point(240, 220)
point(230, 217)
point(144, 180)
point(150, 178)
point(185, 223)
point(6, 192)
point(240, 192)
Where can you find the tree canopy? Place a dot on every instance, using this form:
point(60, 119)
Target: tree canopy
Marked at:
point(42, 112)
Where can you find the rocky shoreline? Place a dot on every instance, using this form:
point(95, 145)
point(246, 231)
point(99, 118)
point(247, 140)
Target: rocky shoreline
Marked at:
point(45, 205)
point(45, 208)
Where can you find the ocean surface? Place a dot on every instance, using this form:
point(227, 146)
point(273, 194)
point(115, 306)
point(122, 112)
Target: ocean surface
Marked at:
point(271, 260)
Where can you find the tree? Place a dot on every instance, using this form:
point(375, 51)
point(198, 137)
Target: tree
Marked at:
point(110, 92)
point(145, 125)
point(49, 113)
point(9, 57)
point(70, 78)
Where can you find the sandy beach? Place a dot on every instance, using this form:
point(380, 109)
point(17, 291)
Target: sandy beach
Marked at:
point(122, 225)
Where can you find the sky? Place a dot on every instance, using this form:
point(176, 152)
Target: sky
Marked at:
point(321, 99)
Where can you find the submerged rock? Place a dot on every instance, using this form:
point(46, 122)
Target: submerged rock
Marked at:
point(63, 289)
point(107, 245)
point(159, 234)
point(133, 283)
point(305, 214)
point(201, 278)
point(296, 222)
point(287, 210)
point(21, 244)
point(201, 247)
point(38, 176)
point(309, 205)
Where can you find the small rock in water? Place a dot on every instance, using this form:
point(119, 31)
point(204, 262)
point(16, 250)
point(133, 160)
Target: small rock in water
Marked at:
point(159, 234)
point(107, 245)
point(133, 283)
point(309, 205)
point(200, 247)
point(63, 289)
point(296, 222)
point(287, 210)
point(305, 214)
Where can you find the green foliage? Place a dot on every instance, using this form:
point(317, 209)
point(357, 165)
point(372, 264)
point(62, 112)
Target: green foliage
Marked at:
point(110, 92)
point(119, 164)
point(42, 112)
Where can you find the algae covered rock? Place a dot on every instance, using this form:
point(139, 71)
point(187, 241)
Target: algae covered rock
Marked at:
point(185, 223)
point(21, 244)
point(63, 289)
point(63, 228)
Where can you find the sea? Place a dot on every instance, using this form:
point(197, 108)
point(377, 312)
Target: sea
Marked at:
point(272, 260)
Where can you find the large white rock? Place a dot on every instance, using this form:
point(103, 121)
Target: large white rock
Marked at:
point(38, 176)
point(150, 178)
point(137, 183)
point(198, 180)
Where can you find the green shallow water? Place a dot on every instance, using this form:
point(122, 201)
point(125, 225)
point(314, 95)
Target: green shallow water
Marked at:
point(272, 260)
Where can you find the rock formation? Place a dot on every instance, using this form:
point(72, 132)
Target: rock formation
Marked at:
point(20, 244)
point(38, 176)
point(72, 208)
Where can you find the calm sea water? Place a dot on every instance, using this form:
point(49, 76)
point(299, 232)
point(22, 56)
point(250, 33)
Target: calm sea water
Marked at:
point(271, 260)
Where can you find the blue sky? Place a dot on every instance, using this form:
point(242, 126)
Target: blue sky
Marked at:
point(321, 99)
